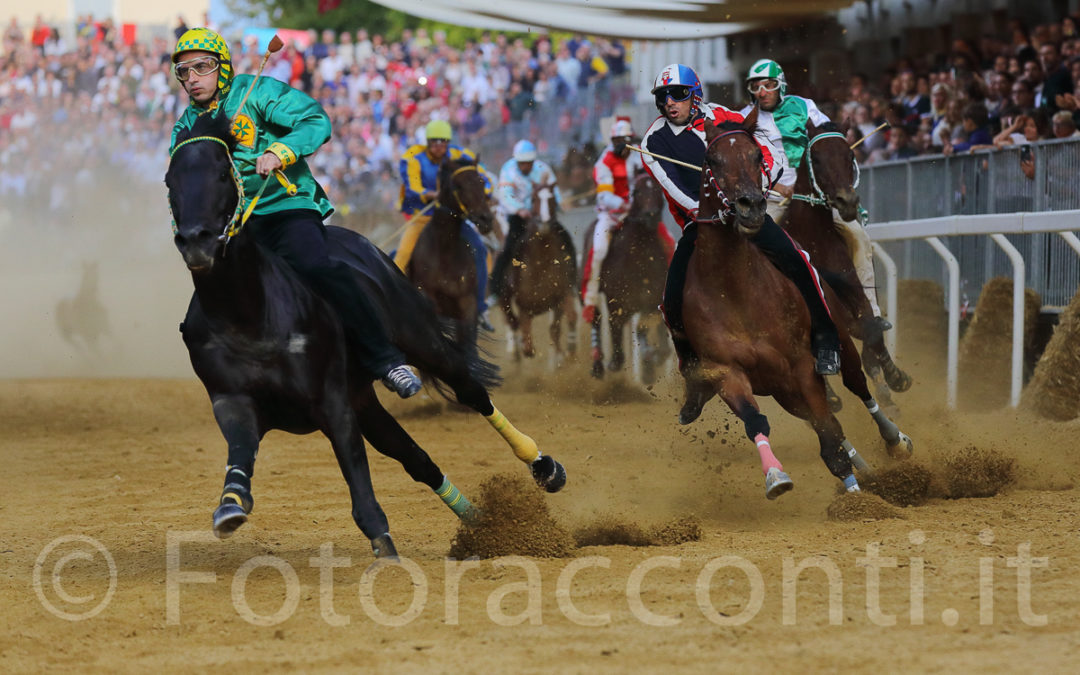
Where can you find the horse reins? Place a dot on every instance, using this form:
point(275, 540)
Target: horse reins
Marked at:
point(728, 206)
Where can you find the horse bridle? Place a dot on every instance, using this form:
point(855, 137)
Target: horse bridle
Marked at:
point(819, 198)
point(461, 205)
point(236, 223)
point(728, 206)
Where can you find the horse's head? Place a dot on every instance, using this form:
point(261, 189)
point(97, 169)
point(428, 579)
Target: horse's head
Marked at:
point(462, 190)
point(834, 172)
point(646, 201)
point(731, 180)
point(204, 190)
point(544, 206)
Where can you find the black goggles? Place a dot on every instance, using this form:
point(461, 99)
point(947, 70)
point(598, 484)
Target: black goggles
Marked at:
point(675, 93)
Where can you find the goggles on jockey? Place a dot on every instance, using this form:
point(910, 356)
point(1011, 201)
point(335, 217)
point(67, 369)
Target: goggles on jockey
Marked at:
point(204, 65)
point(767, 85)
point(676, 93)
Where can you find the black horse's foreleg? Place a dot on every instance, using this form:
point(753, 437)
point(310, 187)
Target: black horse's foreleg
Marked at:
point(341, 426)
point(238, 420)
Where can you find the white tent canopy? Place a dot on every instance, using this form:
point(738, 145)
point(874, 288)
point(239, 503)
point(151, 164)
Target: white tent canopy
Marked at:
point(633, 19)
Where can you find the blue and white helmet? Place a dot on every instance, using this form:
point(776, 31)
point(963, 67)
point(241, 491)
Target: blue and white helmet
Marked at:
point(675, 76)
point(524, 151)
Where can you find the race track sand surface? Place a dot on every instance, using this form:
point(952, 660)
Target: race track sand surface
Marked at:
point(131, 463)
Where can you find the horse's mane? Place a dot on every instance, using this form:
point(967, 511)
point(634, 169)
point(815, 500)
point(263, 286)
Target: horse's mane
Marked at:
point(829, 126)
point(731, 125)
point(215, 124)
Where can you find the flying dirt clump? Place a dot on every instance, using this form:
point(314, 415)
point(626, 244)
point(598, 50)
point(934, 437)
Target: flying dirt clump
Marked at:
point(906, 484)
point(860, 506)
point(514, 520)
point(978, 473)
point(611, 530)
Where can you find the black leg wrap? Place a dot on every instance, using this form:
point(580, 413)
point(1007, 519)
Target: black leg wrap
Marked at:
point(755, 422)
point(837, 460)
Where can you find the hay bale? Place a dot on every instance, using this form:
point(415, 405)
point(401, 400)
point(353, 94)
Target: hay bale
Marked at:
point(1054, 390)
point(923, 335)
point(986, 350)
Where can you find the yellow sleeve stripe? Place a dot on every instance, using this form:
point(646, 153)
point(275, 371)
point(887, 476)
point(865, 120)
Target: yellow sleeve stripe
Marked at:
point(605, 188)
point(284, 153)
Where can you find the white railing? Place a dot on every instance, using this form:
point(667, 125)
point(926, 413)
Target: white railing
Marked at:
point(994, 226)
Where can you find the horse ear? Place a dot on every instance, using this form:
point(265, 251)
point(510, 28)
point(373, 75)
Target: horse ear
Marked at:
point(750, 121)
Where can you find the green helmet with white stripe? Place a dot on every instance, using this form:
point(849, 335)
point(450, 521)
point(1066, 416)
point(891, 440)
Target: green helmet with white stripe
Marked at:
point(767, 69)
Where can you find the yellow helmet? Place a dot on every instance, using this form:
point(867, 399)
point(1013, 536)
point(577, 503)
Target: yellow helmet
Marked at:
point(438, 129)
point(206, 40)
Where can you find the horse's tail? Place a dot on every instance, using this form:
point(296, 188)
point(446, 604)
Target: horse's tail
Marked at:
point(474, 357)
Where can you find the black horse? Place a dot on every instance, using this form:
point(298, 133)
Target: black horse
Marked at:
point(273, 355)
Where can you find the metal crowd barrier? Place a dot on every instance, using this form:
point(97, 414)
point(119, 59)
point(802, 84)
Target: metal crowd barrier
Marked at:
point(982, 183)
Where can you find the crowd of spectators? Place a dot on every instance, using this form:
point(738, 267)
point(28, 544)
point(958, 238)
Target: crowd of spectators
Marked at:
point(1010, 89)
point(101, 103)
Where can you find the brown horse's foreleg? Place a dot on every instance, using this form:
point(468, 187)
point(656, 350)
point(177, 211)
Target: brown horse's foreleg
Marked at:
point(596, 338)
point(569, 310)
point(616, 321)
point(527, 347)
point(734, 388)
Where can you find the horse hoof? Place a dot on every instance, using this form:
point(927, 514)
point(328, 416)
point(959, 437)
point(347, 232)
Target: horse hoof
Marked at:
point(597, 370)
point(548, 473)
point(903, 443)
point(898, 380)
point(777, 483)
point(695, 403)
point(383, 548)
point(227, 518)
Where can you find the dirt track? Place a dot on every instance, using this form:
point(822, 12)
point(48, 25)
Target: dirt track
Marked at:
point(127, 462)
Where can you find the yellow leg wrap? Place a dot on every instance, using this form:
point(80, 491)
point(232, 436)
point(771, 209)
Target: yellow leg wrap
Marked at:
point(524, 447)
point(409, 239)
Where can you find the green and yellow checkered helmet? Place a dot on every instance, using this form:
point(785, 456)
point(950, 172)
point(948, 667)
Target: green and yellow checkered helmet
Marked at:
point(206, 40)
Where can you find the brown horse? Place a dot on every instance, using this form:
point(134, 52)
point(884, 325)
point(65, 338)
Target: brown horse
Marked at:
point(749, 323)
point(575, 172)
point(443, 263)
point(826, 180)
point(542, 279)
point(632, 280)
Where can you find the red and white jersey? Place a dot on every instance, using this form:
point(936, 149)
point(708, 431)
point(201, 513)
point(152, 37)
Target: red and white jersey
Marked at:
point(687, 143)
point(613, 174)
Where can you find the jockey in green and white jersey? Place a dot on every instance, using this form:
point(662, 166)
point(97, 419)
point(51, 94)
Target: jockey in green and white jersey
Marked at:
point(783, 119)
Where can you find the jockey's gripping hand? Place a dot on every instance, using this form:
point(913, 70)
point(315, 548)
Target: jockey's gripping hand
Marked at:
point(267, 163)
